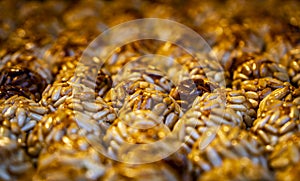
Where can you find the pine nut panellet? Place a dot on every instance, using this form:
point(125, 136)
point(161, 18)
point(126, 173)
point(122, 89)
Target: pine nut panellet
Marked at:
point(257, 89)
point(285, 154)
point(257, 66)
point(153, 171)
point(71, 158)
point(26, 73)
point(221, 143)
point(64, 122)
point(146, 86)
point(15, 163)
point(137, 127)
point(284, 159)
point(237, 169)
point(292, 61)
point(20, 115)
point(277, 123)
point(209, 110)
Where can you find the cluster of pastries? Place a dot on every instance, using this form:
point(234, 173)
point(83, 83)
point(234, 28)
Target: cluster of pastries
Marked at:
point(235, 112)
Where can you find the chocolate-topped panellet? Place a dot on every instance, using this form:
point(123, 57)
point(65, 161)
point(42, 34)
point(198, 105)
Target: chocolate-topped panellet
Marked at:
point(188, 90)
point(21, 81)
point(25, 72)
point(26, 59)
point(9, 91)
